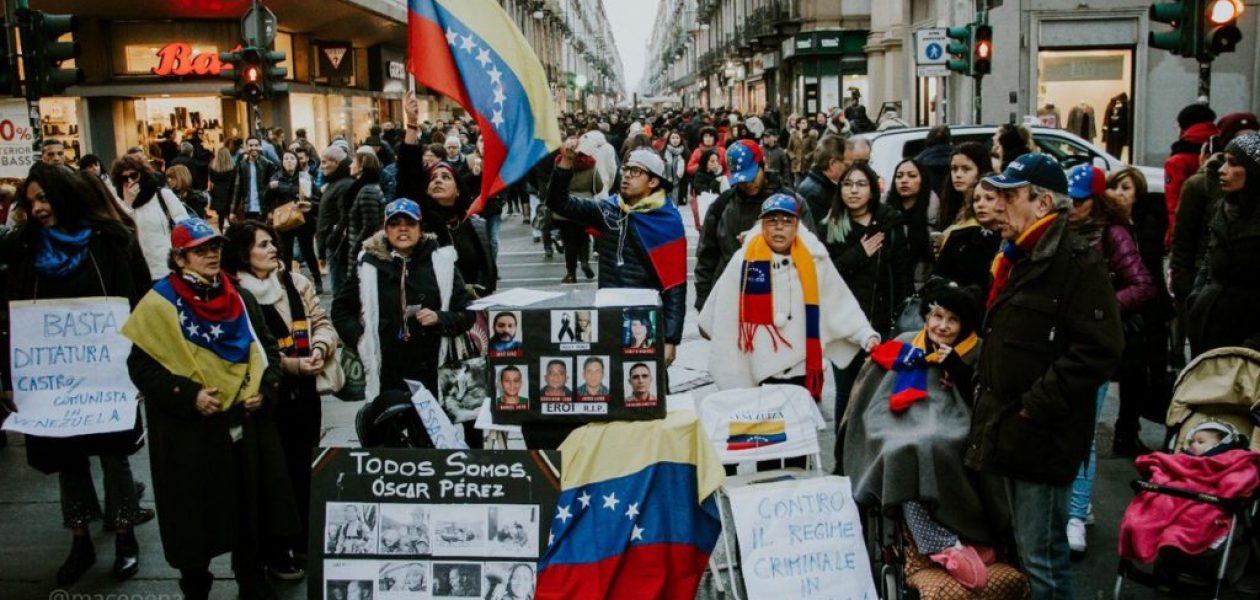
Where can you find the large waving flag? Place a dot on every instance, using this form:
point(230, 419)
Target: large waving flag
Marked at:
point(637, 518)
point(213, 343)
point(471, 52)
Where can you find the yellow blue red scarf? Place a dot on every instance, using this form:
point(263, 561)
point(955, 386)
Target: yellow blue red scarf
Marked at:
point(756, 305)
point(911, 362)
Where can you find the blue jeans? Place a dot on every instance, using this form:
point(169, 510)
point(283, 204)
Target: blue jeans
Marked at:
point(1083, 487)
point(1039, 514)
point(336, 272)
point(493, 222)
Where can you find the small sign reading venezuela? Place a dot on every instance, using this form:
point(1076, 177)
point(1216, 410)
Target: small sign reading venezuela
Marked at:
point(745, 435)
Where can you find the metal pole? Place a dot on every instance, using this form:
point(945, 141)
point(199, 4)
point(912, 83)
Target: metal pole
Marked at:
point(31, 82)
point(1205, 80)
point(978, 113)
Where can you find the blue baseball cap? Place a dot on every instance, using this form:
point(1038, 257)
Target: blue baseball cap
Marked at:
point(402, 206)
point(780, 203)
point(1085, 182)
point(744, 161)
point(191, 233)
point(1031, 169)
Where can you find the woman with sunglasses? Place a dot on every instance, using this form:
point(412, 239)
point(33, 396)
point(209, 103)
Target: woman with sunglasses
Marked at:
point(72, 245)
point(154, 207)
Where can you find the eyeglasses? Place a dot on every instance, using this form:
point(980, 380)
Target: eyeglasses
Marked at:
point(633, 172)
point(778, 221)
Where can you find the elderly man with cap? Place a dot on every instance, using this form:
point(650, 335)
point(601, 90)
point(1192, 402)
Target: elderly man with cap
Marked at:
point(781, 308)
point(734, 212)
point(1052, 336)
point(414, 296)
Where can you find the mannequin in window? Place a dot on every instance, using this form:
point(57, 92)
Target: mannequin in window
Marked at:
point(1081, 121)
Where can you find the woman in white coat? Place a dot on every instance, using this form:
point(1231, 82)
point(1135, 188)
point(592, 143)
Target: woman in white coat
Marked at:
point(152, 205)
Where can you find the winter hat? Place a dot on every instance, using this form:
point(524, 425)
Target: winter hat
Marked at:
point(1235, 123)
point(744, 159)
point(1228, 432)
point(960, 301)
point(755, 127)
point(1194, 114)
point(1086, 182)
point(1246, 148)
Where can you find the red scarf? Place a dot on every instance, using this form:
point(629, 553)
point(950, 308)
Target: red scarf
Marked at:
point(1014, 252)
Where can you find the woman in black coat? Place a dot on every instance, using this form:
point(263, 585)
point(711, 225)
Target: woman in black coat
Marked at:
point(286, 186)
point(1222, 309)
point(219, 474)
point(222, 185)
point(74, 245)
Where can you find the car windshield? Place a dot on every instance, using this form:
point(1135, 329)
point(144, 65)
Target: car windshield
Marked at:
point(1057, 147)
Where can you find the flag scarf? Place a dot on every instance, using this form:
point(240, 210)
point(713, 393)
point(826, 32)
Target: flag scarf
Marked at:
point(471, 52)
point(1014, 252)
point(910, 362)
point(756, 305)
point(658, 224)
point(637, 517)
point(211, 342)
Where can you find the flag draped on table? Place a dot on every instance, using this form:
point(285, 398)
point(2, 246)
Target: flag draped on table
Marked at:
point(213, 343)
point(471, 52)
point(637, 517)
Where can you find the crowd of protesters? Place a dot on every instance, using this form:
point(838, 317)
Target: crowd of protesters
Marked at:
point(1019, 289)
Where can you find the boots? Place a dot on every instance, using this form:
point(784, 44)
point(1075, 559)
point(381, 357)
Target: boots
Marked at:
point(195, 583)
point(126, 554)
point(82, 557)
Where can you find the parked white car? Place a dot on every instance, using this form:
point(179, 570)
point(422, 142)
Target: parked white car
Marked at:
point(889, 147)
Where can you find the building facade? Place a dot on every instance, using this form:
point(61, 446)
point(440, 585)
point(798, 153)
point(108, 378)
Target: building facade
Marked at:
point(152, 66)
point(753, 55)
point(1065, 63)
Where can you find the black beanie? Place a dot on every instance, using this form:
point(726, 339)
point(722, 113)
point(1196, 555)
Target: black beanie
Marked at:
point(960, 301)
point(1194, 114)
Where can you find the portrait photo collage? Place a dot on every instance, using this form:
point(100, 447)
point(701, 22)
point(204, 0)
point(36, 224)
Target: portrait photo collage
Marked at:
point(576, 364)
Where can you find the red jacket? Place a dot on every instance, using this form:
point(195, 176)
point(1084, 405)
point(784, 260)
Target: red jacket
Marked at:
point(693, 163)
point(1183, 163)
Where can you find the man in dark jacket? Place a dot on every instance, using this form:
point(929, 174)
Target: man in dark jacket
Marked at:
point(1052, 337)
point(253, 174)
point(733, 213)
point(334, 163)
point(819, 185)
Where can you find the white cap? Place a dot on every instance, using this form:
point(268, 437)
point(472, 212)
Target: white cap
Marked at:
point(590, 142)
point(648, 161)
point(755, 126)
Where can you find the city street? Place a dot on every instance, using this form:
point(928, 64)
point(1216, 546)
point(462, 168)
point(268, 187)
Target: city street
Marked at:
point(32, 543)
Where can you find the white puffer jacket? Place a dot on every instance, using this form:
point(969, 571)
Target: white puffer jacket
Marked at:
point(154, 230)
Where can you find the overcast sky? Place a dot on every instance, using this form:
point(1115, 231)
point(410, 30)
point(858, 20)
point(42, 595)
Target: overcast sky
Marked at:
point(631, 22)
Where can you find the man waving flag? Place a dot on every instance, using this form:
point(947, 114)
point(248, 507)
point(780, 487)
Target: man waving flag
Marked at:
point(471, 52)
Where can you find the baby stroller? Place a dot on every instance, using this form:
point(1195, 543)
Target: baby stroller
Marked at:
point(391, 421)
point(1222, 386)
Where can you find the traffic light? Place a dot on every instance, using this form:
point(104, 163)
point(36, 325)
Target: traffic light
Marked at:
point(274, 74)
point(1180, 14)
point(251, 86)
point(960, 50)
point(982, 50)
point(1220, 31)
point(43, 53)
point(8, 74)
point(231, 69)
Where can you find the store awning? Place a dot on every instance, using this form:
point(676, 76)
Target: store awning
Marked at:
point(364, 22)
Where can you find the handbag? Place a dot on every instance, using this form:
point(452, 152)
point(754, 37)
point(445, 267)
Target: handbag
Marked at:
point(355, 386)
point(463, 380)
point(909, 316)
point(287, 217)
point(333, 378)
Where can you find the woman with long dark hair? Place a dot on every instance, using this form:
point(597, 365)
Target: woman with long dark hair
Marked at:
point(306, 338)
point(922, 210)
point(968, 164)
point(153, 206)
point(222, 186)
point(71, 245)
point(287, 186)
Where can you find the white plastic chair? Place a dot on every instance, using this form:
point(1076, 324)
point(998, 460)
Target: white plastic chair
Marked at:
point(771, 422)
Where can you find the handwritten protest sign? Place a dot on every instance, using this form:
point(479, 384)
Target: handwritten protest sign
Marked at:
point(69, 364)
point(802, 539)
point(410, 523)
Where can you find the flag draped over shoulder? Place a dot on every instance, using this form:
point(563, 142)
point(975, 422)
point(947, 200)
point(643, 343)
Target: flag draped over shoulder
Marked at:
point(665, 242)
point(471, 52)
point(637, 517)
point(213, 343)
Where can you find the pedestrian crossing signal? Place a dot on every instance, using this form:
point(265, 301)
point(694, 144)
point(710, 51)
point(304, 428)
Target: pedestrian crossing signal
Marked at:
point(982, 56)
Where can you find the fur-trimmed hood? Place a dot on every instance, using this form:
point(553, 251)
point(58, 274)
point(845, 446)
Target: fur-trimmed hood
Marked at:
point(378, 247)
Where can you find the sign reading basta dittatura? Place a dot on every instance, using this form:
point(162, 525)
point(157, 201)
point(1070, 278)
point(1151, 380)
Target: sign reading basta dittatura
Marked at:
point(407, 523)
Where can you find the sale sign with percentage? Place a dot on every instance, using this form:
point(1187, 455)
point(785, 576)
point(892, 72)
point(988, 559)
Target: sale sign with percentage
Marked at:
point(16, 152)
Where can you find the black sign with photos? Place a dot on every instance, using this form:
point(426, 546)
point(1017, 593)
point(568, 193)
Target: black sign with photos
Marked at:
point(404, 523)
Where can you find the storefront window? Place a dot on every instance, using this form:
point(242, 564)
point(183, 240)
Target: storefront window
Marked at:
point(60, 121)
point(1077, 88)
point(203, 113)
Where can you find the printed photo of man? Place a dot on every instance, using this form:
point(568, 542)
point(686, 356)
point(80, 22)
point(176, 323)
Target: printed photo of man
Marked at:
point(511, 382)
point(641, 385)
point(505, 341)
point(556, 378)
point(594, 383)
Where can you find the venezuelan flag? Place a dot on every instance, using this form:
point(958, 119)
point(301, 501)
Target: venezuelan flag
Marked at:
point(637, 517)
point(216, 351)
point(471, 52)
point(661, 233)
point(755, 434)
